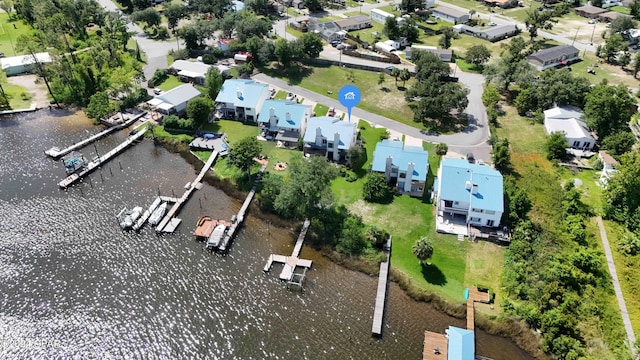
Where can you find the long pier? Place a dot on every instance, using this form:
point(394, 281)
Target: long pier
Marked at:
point(162, 226)
point(239, 218)
point(291, 262)
point(55, 152)
point(381, 295)
point(71, 179)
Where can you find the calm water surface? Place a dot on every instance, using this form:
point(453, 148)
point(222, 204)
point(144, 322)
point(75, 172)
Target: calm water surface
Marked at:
point(73, 285)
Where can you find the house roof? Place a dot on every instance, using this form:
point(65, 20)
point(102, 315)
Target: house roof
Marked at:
point(572, 128)
point(554, 52)
point(179, 95)
point(296, 112)
point(498, 31)
point(11, 61)
point(613, 15)
point(329, 126)
point(607, 159)
point(354, 20)
point(382, 13)
point(243, 93)
point(563, 112)
point(461, 345)
point(450, 11)
point(191, 68)
point(590, 9)
point(454, 175)
point(401, 156)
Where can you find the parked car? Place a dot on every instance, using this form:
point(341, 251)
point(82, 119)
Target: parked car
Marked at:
point(492, 24)
point(157, 91)
point(470, 158)
point(593, 21)
point(290, 96)
point(331, 112)
point(341, 46)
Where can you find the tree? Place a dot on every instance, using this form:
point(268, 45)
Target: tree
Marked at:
point(196, 33)
point(260, 7)
point(442, 149)
point(422, 249)
point(447, 36)
point(428, 64)
point(404, 76)
point(213, 82)
point(608, 109)
point(391, 28)
point(612, 46)
point(552, 87)
point(410, 6)
point(490, 96)
point(283, 52)
point(376, 236)
point(432, 101)
point(507, 70)
point(99, 105)
point(409, 31)
point(381, 78)
point(622, 193)
point(199, 110)
point(31, 46)
point(356, 157)
point(174, 13)
point(7, 6)
point(310, 45)
point(351, 239)
point(218, 8)
point(634, 8)
point(622, 23)
point(477, 55)
point(243, 152)
point(636, 64)
point(545, 19)
point(376, 189)
point(149, 16)
point(314, 5)
point(395, 72)
point(250, 25)
point(619, 143)
point(502, 156)
point(555, 146)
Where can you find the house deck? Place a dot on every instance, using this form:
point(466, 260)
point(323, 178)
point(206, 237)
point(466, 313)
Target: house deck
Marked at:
point(451, 224)
point(435, 346)
point(494, 234)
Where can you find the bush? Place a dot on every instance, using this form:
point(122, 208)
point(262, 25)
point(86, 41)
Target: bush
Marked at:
point(135, 98)
point(162, 33)
point(376, 189)
point(25, 96)
point(442, 149)
point(351, 240)
point(182, 54)
point(158, 77)
point(176, 123)
point(629, 244)
point(377, 237)
point(209, 59)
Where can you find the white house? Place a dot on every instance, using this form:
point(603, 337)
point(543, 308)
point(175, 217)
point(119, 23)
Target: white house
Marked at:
point(609, 165)
point(354, 23)
point(329, 137)
point(241, 99)
point(566, 119)
point(195, 71)
point(284, 120)
point(450, 15)
point(174, 101)
point(405, 167)
point(385, 47)
point(380, 16)
point(469, 192)
point(15, 65)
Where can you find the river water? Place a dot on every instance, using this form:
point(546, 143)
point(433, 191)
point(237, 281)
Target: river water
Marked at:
point(74, 285)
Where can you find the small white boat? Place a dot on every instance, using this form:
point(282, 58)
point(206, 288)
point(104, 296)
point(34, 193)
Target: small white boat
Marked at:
point(157, 214)
point(74, 163)
point(131, 217)
point(216, 236)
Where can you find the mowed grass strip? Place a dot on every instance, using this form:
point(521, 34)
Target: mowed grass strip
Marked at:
point(9, 32)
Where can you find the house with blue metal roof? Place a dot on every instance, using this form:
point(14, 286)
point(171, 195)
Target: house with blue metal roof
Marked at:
point(405, 167)
point(472, 192)
point(241, 99)
point(284, 120)
point(329, 136)
point(461, 345)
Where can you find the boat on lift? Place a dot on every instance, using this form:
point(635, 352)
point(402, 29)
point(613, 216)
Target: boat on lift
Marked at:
point(130, 217)
point(157, 214)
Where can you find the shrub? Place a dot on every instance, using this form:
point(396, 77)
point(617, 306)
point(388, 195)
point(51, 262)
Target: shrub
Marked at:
point(181, 54)
point(442, 149)
point(376, 189)
point(158, 77)
point(25, 96)
point(629, 244)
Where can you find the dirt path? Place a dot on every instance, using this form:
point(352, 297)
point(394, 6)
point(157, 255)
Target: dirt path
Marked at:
point(38, 90)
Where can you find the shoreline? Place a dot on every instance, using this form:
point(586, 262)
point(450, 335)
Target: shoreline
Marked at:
point(509, 328)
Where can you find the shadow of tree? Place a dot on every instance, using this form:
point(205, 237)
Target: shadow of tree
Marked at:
point(433, 274)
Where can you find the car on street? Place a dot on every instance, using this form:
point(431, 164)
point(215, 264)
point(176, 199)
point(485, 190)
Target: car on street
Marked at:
point(492, 24)
point(593, 21)
point(470, 158)
point(390, 68)
point(341, 46)
point(157, 91)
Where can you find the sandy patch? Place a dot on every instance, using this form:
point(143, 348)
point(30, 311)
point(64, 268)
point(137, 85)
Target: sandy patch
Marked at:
point(411, 141)
point(580, 30)
point(35, 86)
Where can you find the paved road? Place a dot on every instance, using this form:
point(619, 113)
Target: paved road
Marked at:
point(616, 286)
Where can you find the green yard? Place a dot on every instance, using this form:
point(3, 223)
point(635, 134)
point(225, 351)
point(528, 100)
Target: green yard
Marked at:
point(320, 110)
point(170, 83)
point(280, 95)
point(18, 96)
point(9, 32)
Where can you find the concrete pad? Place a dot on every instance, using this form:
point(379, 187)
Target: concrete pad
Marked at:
point(411, 141)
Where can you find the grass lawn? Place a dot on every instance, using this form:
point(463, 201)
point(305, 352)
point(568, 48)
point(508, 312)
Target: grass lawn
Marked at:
point(368, 33)
point(280, 95)
point(9, 32)
point(19, 97)
point(524, 135)
point(291, 31)
point(621, 9)
point(470, 68)
point(320, 110)
point(170, 83)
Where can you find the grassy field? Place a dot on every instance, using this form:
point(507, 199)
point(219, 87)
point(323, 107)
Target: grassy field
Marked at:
point(9, 32)
point(280, 95)
point(524, 135)
point(19, 97)
point(320, 110)
point(170, 83)
point(621, 9)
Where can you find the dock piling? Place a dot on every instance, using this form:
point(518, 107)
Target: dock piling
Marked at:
point(119, 163)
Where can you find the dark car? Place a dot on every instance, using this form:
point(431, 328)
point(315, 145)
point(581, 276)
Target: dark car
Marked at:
point(470, 158)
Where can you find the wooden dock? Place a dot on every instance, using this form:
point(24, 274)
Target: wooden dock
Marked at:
point(145, 216)
point(239, 218)
point(293, 261)
point(167, 220)
point(435, 346)
point(55, 152)
point(71, 179)
point(474, 295)
point(381, 295)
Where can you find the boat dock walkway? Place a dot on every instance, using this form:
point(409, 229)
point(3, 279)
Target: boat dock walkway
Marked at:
point(71, 179)
point(168, 224)
point(291, 262)
point(381, 295)
point(55, 152)
point(474, 295)
point(239, 218)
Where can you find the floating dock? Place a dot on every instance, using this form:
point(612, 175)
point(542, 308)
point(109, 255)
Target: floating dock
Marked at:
point(291, 262)
point(381, 295)
point(71, 179)
point(55, 152)
point(145, 216)
point(239, 218)
point(168, 224)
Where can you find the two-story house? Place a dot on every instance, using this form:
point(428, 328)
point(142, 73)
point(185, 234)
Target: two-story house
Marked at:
point(284, 120)
point(404, 167)
point(330, 137)
point(241, 99)
point(566, 119)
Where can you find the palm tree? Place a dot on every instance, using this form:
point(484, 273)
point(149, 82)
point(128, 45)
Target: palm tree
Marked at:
point(423, 249)
point(395, 72)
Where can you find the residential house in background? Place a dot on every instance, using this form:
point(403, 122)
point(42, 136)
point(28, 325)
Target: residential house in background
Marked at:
point(174, 101)
point(404, 167)
point(504, 4)
point(467, 192)
point(380, 16)
point(284, 120)
point(329, 31)
point(553, 57)
point(241, 99)
point(451, 15)
point(354, 23)
point(589, 11)
point(498, 33)
point(609, 16)
point(566, 119)
point(195, 71)
point(609, 165)
point(445, 55)
point(15, 65)
point(330, 137)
